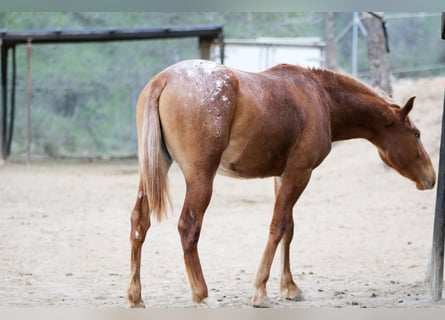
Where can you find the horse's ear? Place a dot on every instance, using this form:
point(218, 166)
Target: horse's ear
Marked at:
point(408, 107)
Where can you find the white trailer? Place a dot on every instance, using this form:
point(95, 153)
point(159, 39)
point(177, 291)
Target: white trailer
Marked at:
point(261, 53)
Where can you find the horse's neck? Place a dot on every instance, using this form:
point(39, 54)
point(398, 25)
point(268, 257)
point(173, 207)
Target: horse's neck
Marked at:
point(356, 111)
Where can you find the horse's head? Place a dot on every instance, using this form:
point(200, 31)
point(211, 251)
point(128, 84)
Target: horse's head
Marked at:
point(400, 148)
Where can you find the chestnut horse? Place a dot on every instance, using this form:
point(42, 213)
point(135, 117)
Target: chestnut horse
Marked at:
point(277, 123)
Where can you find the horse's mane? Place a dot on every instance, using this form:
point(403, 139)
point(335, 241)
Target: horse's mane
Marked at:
point(338, 79)
point(360, 85)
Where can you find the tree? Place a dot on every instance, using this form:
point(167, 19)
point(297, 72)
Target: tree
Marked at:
point(330, 56)
point(377, 51)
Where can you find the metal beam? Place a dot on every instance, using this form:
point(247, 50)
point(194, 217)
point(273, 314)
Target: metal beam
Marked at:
point(104, 35)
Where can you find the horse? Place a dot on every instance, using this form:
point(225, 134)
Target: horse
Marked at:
point(278, 123)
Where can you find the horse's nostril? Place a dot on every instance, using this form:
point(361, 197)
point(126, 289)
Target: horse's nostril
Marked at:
point(425, 185)
point(432, 180)
point(428, 184)
point(431, 184)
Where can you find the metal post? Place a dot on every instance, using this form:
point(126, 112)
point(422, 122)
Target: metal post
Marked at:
point(204, 48)
point(28, 102)
point(12, 113)
point(221, 47)
point(4, 113)
point(438, 230)
point(437, 254)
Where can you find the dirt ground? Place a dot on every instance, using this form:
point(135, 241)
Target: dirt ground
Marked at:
point(362, 239)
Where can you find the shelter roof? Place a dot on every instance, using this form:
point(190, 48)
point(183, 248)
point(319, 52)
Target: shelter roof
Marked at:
point(12, 37)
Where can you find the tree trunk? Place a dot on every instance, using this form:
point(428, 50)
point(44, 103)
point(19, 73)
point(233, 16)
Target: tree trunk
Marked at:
point(377, 52)
point(329, 34)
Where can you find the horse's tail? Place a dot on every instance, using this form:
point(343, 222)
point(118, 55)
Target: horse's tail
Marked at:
point(154, 159)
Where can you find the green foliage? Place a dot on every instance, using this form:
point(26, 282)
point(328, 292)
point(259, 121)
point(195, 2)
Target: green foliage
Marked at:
point(84, 95)
point(417, 43)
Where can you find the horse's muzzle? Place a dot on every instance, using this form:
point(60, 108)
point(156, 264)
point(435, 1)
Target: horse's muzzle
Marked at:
point(427, 184)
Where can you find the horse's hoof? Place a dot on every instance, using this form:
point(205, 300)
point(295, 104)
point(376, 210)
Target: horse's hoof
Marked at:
point(265, 304)
point(137, 304)
point(297, 297)
point(211, 302)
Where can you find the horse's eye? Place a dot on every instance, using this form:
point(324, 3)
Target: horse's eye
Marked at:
point(417, 135)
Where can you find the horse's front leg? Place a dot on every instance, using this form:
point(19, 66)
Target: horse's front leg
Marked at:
point(289, 190)
point(288, 287)
point(140, 223)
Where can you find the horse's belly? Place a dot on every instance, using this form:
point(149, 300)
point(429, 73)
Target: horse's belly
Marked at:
point(255, 163)
point(228, 172)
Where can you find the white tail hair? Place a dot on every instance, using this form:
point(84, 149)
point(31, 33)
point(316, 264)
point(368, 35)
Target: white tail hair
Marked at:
point(154, 160)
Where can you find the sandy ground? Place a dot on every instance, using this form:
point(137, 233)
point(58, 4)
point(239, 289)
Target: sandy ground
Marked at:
point(362, 239)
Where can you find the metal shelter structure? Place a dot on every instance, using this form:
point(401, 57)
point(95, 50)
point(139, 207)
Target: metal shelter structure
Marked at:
point(10, 39)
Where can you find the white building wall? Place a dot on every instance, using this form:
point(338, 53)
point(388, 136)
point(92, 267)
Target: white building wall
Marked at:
point(262, 53)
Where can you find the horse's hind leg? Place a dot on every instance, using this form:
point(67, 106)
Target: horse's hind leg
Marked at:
point(140, 223)
point(288, 287)
point(197, 198)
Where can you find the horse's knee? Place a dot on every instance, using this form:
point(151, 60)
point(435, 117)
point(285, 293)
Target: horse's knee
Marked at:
point(189, 229)
point(283, 227)
point(277, 231)
point(289, 232)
